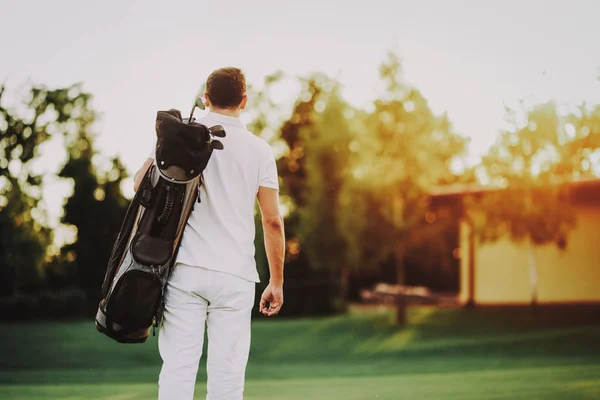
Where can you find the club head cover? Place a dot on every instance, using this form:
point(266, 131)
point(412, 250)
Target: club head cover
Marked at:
point(217, 145)
point(217, 130)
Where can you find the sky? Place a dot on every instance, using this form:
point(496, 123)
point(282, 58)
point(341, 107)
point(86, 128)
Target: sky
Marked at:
point(467, 57)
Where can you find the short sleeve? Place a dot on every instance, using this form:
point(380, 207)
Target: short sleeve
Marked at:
point(268, 170)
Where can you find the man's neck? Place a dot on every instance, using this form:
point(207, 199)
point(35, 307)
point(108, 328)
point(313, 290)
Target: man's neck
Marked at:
point(226, 111)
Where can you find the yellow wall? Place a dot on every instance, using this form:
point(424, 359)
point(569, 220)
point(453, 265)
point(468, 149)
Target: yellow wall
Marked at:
point(572, 275)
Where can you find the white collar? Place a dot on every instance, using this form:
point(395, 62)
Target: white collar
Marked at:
point(226, 119)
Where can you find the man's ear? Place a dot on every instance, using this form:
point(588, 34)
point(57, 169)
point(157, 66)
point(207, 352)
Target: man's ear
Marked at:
point(206, 100)
point(243, 103)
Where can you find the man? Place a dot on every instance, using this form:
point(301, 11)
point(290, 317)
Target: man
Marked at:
point(214, 278)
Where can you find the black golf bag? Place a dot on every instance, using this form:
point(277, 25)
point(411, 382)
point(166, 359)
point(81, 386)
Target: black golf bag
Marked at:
point(146, 247)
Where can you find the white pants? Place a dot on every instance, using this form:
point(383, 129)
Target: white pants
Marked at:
point(196, 297)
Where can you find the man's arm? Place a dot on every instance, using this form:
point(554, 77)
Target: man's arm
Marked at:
point(139, 175)
point(272, 222)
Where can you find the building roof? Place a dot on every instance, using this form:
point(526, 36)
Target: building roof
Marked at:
point(470, 189)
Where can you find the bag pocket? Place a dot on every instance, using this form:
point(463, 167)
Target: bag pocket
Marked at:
point(134, 301)
point(148, 250)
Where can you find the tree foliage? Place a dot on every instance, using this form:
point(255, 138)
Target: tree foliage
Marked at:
point(305, 278)
point(327, 156)
point(579, 153)
point(24, 127)
point(405, 152)
point(95, 208)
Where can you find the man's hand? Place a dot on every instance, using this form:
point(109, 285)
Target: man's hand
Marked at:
point(273, 295)
point(272, 222)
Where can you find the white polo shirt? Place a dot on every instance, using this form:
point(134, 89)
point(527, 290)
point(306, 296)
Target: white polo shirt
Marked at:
point(220, 231)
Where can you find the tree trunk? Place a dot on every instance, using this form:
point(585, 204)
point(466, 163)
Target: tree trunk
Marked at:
point(399, 252)
point(344, 282)
point(400, 279)
point(401, 310)
point(399, 258)
point(533, 275)
point(397, 214)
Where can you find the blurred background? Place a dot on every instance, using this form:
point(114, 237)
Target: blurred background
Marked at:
point(439, 166)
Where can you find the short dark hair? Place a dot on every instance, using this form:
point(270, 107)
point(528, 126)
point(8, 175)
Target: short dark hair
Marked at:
point(226, 87)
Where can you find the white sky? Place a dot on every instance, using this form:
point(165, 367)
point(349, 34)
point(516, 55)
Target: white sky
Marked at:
point(468, 57)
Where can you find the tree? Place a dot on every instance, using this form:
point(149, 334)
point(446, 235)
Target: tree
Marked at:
point(265, 113)
point(407, 152)
point(96, 208)
point(24, 238)
point(327, 155)
point(579, 154)
point(309, 290)
point(404, 151)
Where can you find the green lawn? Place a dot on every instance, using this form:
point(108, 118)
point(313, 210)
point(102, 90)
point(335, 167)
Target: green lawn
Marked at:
point(443, 354)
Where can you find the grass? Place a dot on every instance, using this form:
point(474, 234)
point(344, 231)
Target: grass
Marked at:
point(443, 354)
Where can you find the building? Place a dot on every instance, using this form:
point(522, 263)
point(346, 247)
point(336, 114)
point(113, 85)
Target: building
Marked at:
point(498, 273)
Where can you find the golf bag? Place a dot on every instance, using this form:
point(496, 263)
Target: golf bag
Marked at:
point(146, 246)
